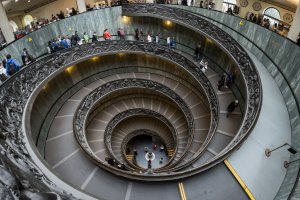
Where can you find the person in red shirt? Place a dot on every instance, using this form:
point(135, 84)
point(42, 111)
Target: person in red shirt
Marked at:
point(106, 35)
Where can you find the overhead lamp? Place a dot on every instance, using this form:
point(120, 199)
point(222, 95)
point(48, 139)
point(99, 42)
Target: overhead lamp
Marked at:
point(292, 150)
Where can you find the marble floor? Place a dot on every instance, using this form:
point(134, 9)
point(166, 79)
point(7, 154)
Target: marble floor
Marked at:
point(139, 143)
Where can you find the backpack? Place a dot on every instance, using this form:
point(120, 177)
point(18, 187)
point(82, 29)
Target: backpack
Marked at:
point(11, 68)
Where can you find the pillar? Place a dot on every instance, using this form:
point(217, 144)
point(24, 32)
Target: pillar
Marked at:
point(295, 27)
point(81, 6)
point(218, 5)
point(4, 25)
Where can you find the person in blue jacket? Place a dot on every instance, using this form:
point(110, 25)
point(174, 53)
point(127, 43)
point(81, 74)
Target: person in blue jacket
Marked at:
point(11, 65)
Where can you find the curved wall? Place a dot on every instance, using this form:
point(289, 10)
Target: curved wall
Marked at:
point(89, 22)
point(281, 57)
point(266, 48)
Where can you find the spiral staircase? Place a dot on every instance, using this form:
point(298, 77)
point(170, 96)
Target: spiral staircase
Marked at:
point(90, 108)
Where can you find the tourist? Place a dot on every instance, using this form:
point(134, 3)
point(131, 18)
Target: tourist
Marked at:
point(173, 43)
point(73, 12)
point(149, 38)
point(154, 146)
point(3, 74)
point(221, 82)
point(146, 149)
point(162, 148)
point(94, 37)
point(229, 80)
point(26, 57)
point(161, 160)
point(201, 4)
point(231, 107)
point(121, 34)
point(298, 40)
point(137, 34)
point(86, 37)
point(254, 19)
point(157, 38)
point(135, 152)
point(61, 15)
point(106, 35)
point(229, 11)
point(169, 42)
point(11, 66)
point(203, 65)
point(197, 52)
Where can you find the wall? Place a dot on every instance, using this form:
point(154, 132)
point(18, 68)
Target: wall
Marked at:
point(281, 57)
point(264, 5)
point(18, 20)
point(53, 8)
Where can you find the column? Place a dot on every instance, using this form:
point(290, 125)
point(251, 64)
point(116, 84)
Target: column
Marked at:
point(218, 5)
point(295, 27)
point(4, 25)
point(81, 6)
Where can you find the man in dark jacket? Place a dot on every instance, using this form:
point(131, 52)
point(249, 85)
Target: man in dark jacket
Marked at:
point(26, 57)
point(11, 66)
point(231, 107)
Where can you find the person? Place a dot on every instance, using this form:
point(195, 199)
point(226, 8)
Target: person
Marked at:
point(298, 40)
point(149, 38)
point(137, 34)
point(63, 43)
point(11, 65)
point(229, 11)
point(73, 12)
point(110, 161)
point(106, 35)
point(221, 82)
point(146, 149)
point(229, 80)
point(231, 107)
point(162, 148)
point(197, 52)
point(135, 152)
point(86, 37)
point(169, 42)
point(154, 146)
point(61, 15)
point(26, 57)
point(274, 28)
point(201, 4)
point(3, 73)
point(161, 160)
point(157, 38)
point(149, 164)
point(173, 43)
point(254, 19)
point(94, 37)
point(121, 34)
point(203, 65)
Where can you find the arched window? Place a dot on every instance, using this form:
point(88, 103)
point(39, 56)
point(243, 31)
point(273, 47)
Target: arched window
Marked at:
point(228, 4)
point(273, 15)
point(13, 25)
point(272, 12)
point(27, 20)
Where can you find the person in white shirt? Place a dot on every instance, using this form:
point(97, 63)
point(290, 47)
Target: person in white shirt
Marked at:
point(203, 65)
point(169, 42)
point(149, 39)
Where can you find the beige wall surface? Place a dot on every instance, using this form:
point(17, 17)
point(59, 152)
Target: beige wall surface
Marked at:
point(53, 8)
point(249, 8)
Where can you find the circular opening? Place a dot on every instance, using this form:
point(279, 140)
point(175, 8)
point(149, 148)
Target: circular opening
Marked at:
point(149, 151)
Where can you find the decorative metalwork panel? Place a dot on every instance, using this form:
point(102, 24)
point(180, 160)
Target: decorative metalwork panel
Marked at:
point(227, 43)
point(135, 112)
point(88, 103)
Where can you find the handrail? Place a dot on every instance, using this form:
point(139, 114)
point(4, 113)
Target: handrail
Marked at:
point(226, 42)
